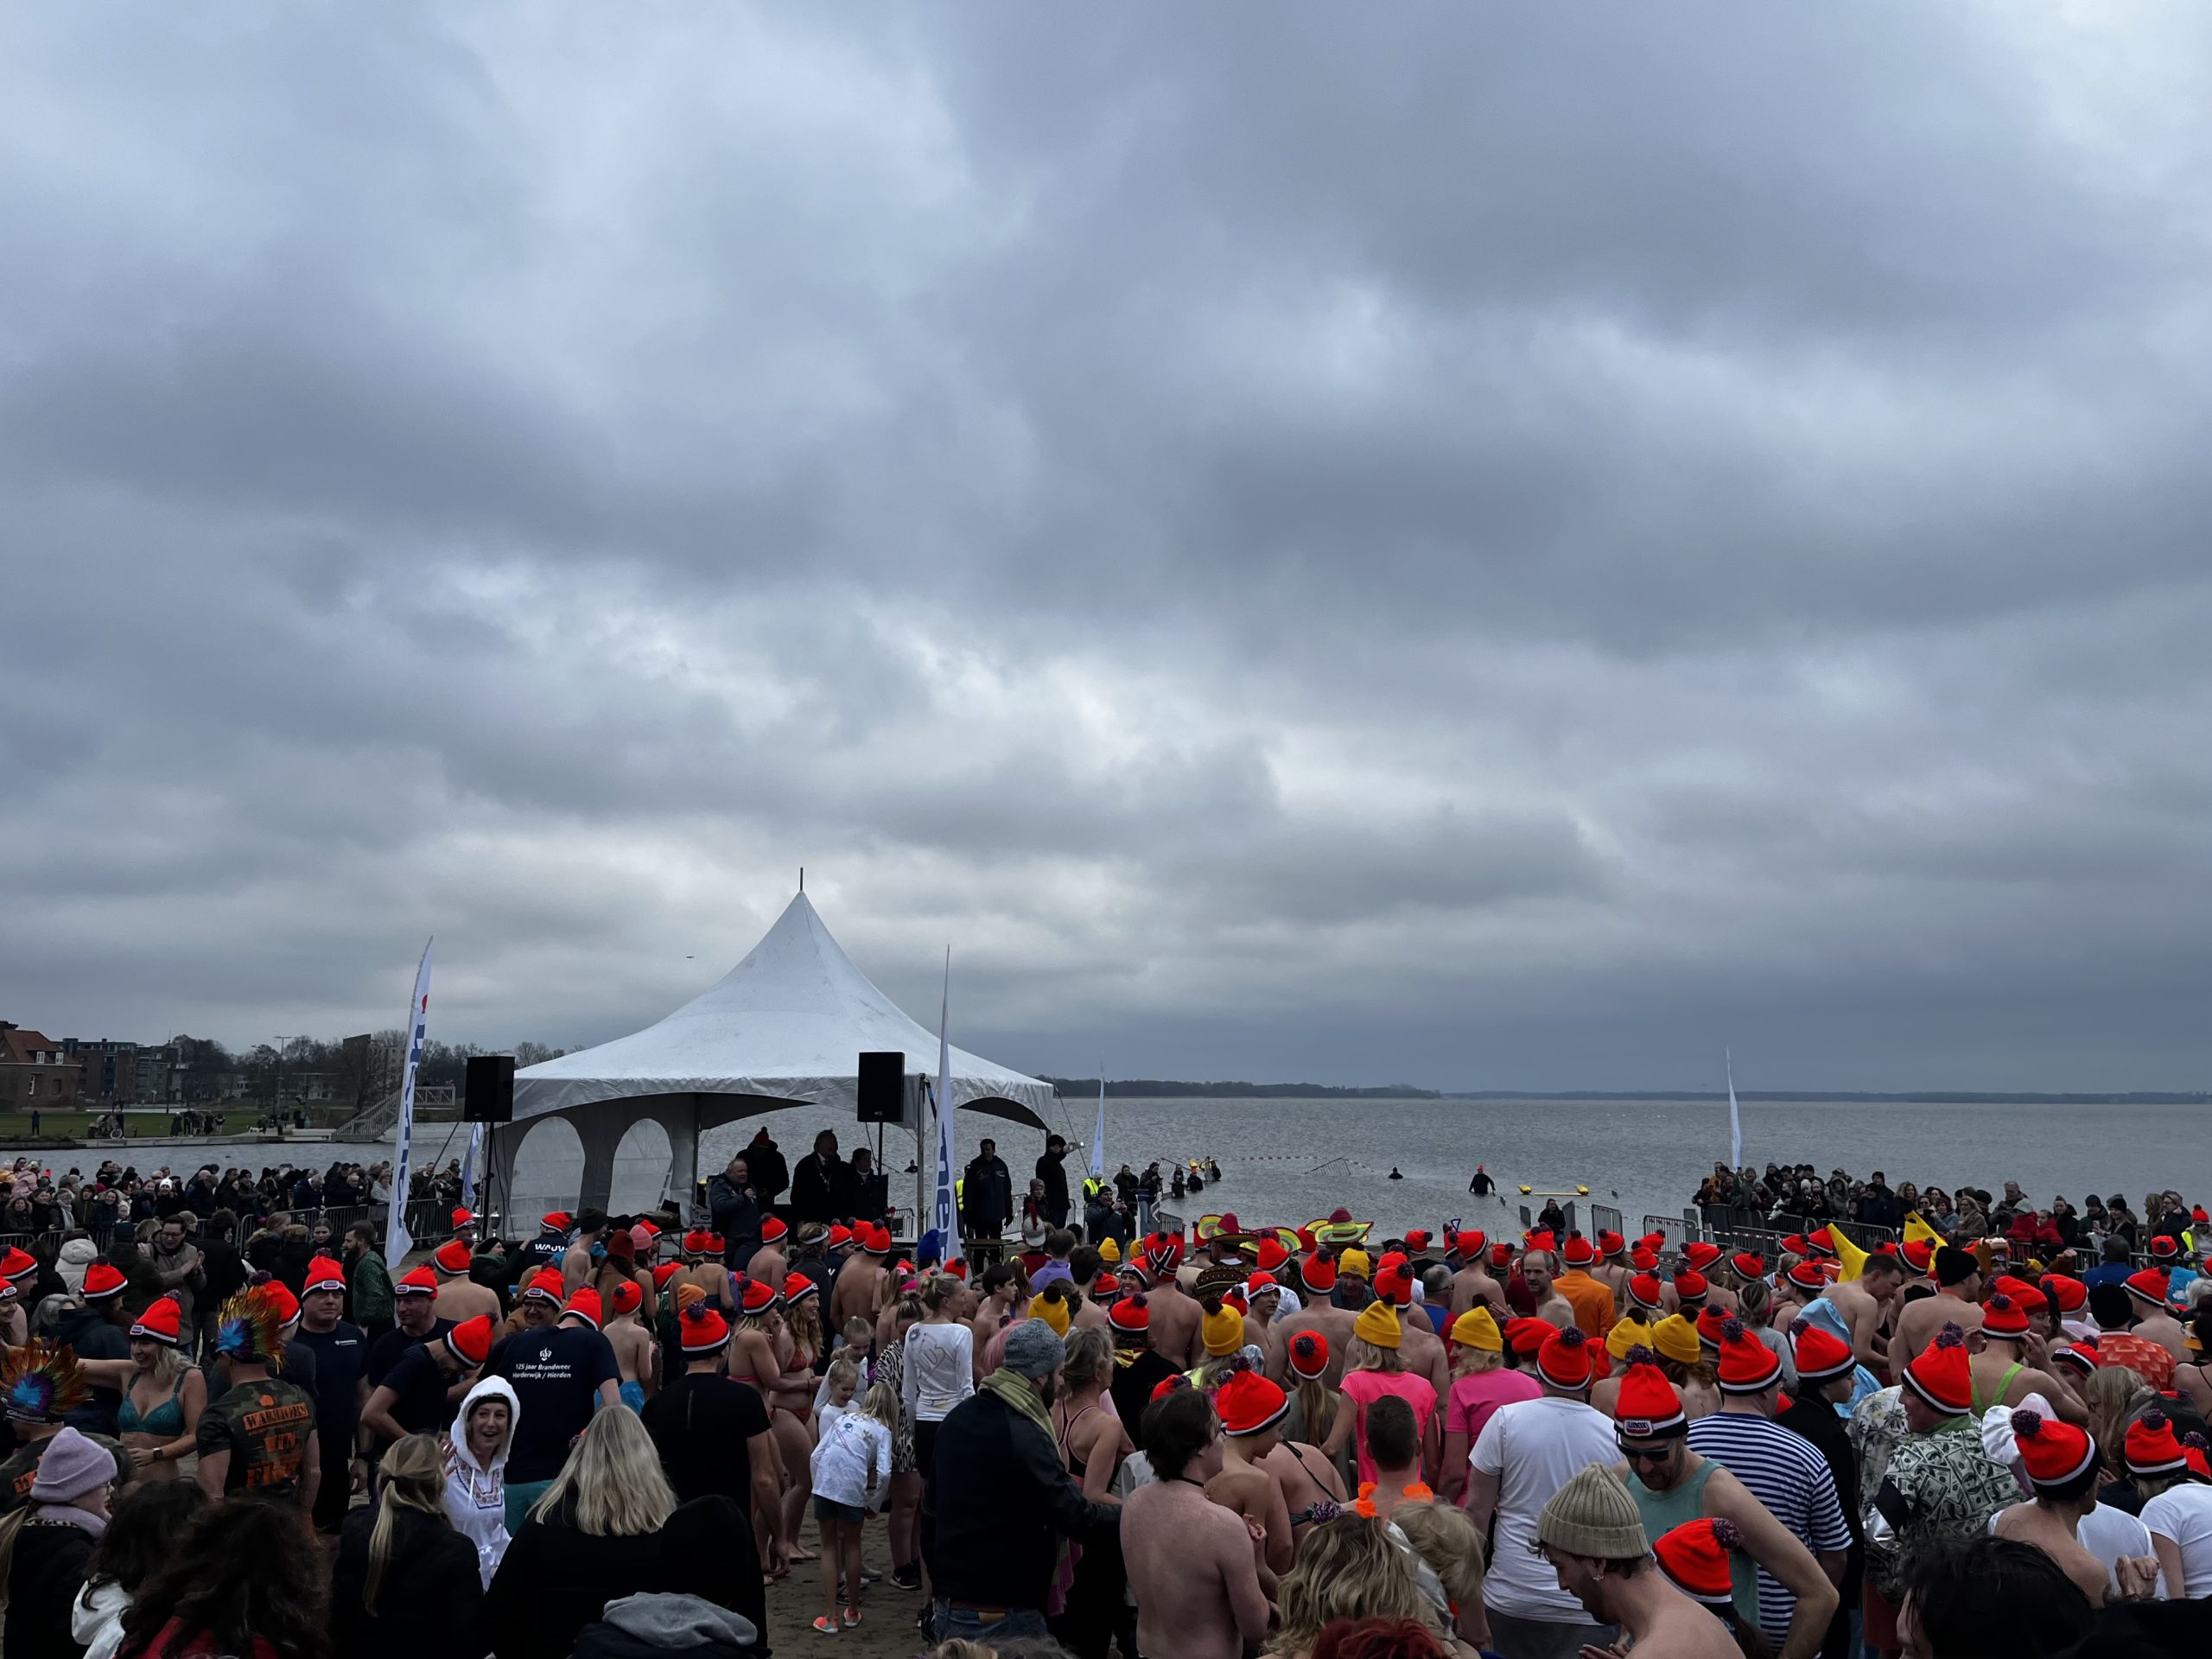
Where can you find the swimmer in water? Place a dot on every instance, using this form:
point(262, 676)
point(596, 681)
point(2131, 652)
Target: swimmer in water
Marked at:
point(1393, 1173)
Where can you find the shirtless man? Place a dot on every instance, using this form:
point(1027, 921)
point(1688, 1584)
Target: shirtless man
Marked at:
point(460, 1297)
point(1266, 1301)
point(577, 1263)
point(769, 1265)
point(1423, 1350)
point(1612, 1270)
point(1538, 1270)
point(1957, 1301)
point(1862, 1304)
point(2014, 1363)
point(632, 1342)
point(994, 1314)
point(864, 1283)
point(1473, 1282)
point(1083, 1271)
point(1657, 1620)
point(1252, 1409)
point(2153, 1322)
point(702, 1258)
point(1332, 1322)
point(1176, 1315)
point(1189, 1560)
point(2065, 1491)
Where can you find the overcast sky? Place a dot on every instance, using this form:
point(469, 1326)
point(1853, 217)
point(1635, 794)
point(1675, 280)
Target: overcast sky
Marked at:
point(1500, 548)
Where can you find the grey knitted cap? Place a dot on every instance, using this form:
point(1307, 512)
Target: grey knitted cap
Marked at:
point(1033, 1350)
point(1593, 1515)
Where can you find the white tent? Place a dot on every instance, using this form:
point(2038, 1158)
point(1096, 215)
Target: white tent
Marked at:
point(785, 1028)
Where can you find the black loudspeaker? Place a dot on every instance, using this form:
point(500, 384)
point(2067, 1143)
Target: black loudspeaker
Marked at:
point(488, 1093)
point(883, 1088)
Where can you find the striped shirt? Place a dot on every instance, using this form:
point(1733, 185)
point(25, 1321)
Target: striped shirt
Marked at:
point(1785, 1473)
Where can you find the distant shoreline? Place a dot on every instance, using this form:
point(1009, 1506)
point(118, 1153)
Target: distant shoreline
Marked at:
point(1162, 1089)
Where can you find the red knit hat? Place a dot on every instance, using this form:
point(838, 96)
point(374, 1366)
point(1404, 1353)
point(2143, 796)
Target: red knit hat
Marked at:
point(1645, 1291)
point(280, 1297)
point(1941, 1373)
point(1416, 1239)
point(1526, 1335)
point(1807, 1275)
point(1501, 1255)
point(1270, 1253)
point(2152, 1446)
point(1648, 1405)
point(450, 1257)
point(703, 1328)
point(1795, 1245)
point(2067, 1295)
point(1643, 1259)
point(1919, 1255)
point(1469, 1243)
point(2022, 1293)
point(420, 1281)
point(2002, 1317)
point(462, 1217)
point(556, 1221)
point(2149, 1286)
point(1131, 1313)
point(103, 1278)
point(161, 1322)
point(18, 1264)
point(754, 1297)
point(1317, 1273)
point(1749, 1265)
point(2054, 1453)
point(1747, 1365)
point(323, 1274)
point(583, 1302)
point(1565, 1361)
point(797, 1288)
point(470, 1342)
point(1821, 1243)
point(1695, 1557)
point(1579, 1251)
point(546, 1284)
point(1710, 1321)
point(1700, 1254)
point(627, 1298)
point(1542, 1239)
point(840, 1235)
point(1168, 1385)
point(2165, 1247)
point(1610, 1244)
point(772, 1230)
point(1821, 1357)
point(2080, 1354)
point(1690, 1285)
point(664, 1272)
point(875, 1238)
point(1249, 1404)
point(1309, 1354)
point(1163, 1252)
point(1394, 1286)
point(694, 1242)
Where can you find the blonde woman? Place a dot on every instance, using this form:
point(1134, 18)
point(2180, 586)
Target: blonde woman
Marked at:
point(163, 1393)
point(905, 1505)
point(1445, 1542)
point(608, 1526)
point(404, 1579)
point(1375, 1368)
point(1481, 1382)
point(1347, 1567)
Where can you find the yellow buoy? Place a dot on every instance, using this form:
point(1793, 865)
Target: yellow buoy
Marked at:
point(1581, 1192)
point(1524, 1186)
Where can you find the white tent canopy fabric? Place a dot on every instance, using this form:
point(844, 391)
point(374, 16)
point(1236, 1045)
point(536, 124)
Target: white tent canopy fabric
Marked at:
point(785, 1028)
point(790, 1021)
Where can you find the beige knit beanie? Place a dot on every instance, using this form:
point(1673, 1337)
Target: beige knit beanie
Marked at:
point(1593, 1515)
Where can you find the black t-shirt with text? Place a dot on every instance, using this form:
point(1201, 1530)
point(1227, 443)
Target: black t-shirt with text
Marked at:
point(384, 1351)
point(266, 1427)
point(556, 1375)
point(419, 1384)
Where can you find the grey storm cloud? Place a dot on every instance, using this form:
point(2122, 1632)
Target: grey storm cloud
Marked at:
point(1489, 551)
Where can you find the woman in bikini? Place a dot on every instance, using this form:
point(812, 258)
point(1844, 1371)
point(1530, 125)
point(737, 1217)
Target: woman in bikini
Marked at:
point(1091, 1582)
point(799, 1351)
point(753, 1361)
point(163, 1393)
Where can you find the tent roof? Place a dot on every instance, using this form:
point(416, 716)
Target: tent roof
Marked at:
point(789, 1022)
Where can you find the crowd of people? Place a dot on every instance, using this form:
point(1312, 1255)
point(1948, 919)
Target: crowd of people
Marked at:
point(611, 1437)
point(1798, 1197)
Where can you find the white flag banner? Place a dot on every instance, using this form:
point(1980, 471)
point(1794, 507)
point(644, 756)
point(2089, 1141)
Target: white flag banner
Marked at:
point(943, 1216)
point(398, 1241)
point(1735, 1119)
point(468, 1166)
point(1098, 1133)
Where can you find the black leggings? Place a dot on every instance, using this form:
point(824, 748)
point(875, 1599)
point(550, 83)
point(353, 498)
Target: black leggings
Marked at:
point(925, 1463)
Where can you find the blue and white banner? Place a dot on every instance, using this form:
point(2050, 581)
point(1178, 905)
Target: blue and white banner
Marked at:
point(944, 1217)
point(398, 1240)
point(468, 1166)
point(1098, 1133)
point(1735, 1120)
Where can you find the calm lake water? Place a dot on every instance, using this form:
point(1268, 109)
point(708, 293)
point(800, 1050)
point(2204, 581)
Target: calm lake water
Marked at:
point(1288, 1160)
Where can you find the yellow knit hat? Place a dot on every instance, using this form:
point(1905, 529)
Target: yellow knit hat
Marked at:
point(1110, 1249)
point(1224, 1330)
point(1626, 1334)
point(1356, 1261)
point(1675, 1337)
point(1476, 1329)
point(1054, 1314)
point(1378, 1325)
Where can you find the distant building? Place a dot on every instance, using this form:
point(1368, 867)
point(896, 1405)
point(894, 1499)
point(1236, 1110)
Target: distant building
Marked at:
point(34, 1073)
point(125, 1074)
